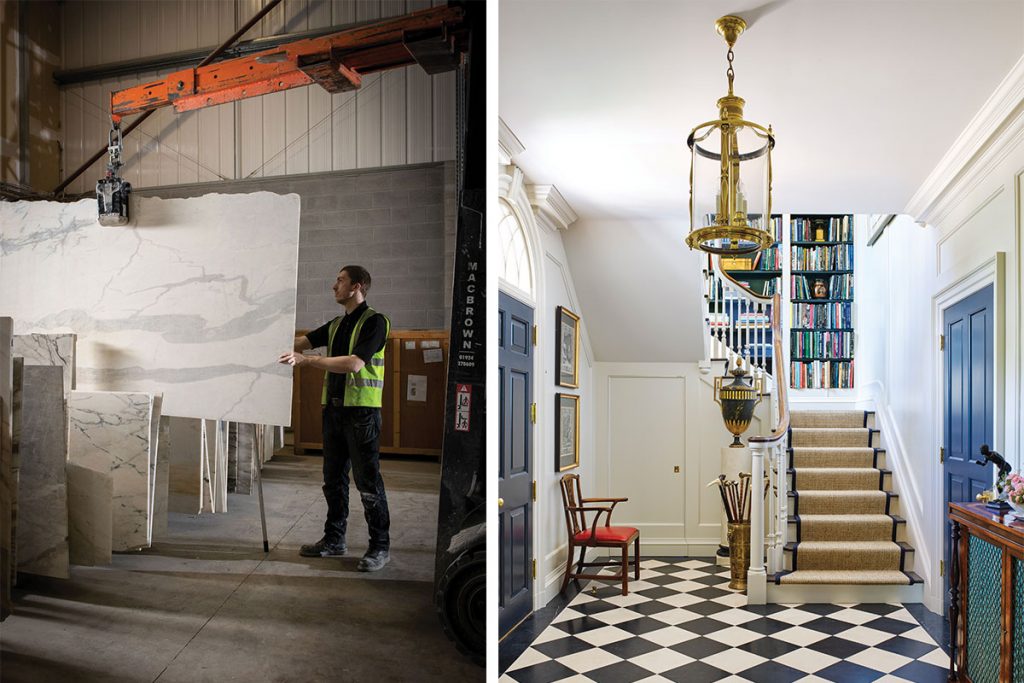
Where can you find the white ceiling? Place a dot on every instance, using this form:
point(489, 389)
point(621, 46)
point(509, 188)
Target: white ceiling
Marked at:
point(865, 97)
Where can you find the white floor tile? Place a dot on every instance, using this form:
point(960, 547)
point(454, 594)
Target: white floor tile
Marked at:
point(661, 660)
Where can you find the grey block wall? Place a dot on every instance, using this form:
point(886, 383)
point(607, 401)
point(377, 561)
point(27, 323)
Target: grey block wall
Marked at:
point(393, 221)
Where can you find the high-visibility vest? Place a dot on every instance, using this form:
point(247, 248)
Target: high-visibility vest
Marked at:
point(366, 387)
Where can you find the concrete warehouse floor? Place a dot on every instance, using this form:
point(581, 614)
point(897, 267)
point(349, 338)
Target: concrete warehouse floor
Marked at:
point(205, 604)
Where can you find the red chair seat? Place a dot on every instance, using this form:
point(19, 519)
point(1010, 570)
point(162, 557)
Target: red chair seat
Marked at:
point(607, 534)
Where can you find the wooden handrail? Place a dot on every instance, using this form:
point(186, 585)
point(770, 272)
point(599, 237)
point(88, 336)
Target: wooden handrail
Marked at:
point(748, 290)
point(779, 364)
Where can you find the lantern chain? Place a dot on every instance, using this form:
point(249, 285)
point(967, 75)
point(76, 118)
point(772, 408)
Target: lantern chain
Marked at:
point(729, 72)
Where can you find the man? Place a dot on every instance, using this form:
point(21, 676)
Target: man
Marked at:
point(353, 389)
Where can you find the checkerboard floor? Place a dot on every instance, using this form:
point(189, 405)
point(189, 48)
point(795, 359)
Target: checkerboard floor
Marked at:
point(681, 622)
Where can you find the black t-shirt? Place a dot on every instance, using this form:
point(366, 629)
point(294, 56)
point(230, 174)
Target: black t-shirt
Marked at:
point(372, 338)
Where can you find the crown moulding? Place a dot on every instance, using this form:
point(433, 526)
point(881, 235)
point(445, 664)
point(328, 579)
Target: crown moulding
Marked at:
point(988, 138)
point(550, 207)
point(508, 144)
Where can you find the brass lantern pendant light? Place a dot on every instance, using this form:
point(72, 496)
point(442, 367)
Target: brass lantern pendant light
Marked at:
point(730, 172)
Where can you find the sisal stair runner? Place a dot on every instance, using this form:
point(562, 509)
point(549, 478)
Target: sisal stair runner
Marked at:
point(840, 505)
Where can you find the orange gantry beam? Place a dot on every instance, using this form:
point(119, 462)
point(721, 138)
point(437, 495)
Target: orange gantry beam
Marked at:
point(433, 38)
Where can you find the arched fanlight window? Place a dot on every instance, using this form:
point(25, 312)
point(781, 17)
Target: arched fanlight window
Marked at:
point(516, 268)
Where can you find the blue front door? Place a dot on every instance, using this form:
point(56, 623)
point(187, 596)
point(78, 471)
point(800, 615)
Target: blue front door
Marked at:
point(515, 476)
point(967, 414)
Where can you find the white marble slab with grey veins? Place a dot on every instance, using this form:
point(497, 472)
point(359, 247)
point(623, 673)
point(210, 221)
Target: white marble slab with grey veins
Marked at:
point(194, 299)
point(49, 349)
point(110, 432)
point(42, 483)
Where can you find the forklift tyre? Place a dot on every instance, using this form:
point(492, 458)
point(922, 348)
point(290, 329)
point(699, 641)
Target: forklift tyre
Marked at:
point(461, 603)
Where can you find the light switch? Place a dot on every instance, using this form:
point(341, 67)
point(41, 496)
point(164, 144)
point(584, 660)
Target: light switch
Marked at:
point(676, 469)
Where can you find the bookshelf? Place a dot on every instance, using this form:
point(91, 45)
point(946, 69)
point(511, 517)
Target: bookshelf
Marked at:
point(821, 331)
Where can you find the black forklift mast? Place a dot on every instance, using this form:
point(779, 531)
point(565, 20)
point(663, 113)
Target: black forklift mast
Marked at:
point(461, 562)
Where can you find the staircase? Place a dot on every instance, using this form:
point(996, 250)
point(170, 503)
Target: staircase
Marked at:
point(844, 527)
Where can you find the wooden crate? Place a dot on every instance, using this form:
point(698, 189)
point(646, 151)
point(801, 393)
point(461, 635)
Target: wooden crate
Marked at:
point(407, 427)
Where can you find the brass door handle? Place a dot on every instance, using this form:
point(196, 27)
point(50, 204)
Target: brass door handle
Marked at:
point(501, 502)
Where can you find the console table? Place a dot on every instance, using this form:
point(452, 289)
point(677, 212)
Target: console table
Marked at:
point(986, 607)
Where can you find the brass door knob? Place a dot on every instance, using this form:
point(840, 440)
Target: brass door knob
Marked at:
point(501, 502)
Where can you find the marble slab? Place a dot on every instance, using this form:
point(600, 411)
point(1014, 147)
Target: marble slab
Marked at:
point(185, 465)
point(42, 537)
point(154, 442)
point(163, 471)
point(49, 349)
point(110, 432)
point(194, 299)
point(18, 367)
point(90, 515)
point(6, 474)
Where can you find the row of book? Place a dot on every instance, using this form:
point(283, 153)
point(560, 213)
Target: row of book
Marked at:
point(837, 257)
point(839, 286)
point(821, 375)
point(769, 259)
point(816, 344)
point(822, 315)
point(775, 228)
point(836, 229)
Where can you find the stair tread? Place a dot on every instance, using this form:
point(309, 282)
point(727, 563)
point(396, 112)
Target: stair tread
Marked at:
point(837, 517)
point(839, 469)
point(855, 515)
point(849, 577)
point(849, 545)
point(851, 493)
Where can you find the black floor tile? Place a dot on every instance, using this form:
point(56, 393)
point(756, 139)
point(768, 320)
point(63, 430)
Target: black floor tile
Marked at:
point(619, 672)
point(772, 672)
point(699, 648)
point(838, 647)
point(769, 648)
point(545, 672)
point(922, 672)
point(848, 672)
point(695, 672)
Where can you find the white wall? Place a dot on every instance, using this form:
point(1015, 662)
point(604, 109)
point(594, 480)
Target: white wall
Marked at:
point(973, 238)
point(651, 418)
point(399, 117)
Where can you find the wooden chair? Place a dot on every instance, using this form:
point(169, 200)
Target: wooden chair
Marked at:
point(583, 536)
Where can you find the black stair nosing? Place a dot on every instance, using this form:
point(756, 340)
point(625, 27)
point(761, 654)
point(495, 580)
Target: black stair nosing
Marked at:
point(792, 519)
point(913, 577)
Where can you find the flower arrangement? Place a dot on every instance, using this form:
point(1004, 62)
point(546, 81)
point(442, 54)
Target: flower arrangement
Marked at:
point(1012, 488)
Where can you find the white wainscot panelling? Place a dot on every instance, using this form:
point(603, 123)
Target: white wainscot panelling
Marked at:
point(646, 436)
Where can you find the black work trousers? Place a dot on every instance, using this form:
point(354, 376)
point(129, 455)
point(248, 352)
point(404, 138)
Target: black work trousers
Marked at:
point(351, 442)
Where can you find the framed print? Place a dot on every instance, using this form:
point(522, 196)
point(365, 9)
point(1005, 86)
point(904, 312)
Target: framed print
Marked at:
point(567, 431)
point(567, 348)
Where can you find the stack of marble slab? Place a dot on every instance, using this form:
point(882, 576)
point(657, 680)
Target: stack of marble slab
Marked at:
point(193, 301)
point(115, 434)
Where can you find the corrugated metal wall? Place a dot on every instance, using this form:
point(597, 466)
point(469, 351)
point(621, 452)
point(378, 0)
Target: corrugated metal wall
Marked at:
point(399, 117)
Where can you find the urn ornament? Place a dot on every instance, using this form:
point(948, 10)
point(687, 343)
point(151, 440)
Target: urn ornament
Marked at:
point(737, 400)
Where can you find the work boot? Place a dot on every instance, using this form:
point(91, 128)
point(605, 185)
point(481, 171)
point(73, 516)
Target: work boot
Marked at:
point(325, 547)
point(373, 560)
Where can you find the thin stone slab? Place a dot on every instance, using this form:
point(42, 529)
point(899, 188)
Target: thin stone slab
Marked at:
point(154, 443)
point(42, 537)
point(163, 471)
point(185, 465)
point(110, 432)
point(6, 473)
point(90, 515)
point(18, 367)
point(195, 298)
point(49, 349)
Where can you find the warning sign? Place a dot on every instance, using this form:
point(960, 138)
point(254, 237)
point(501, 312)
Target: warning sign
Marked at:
point(463, 401)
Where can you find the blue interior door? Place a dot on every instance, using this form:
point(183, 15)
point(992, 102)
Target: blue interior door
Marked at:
point(515, 515)
point(969, 395)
